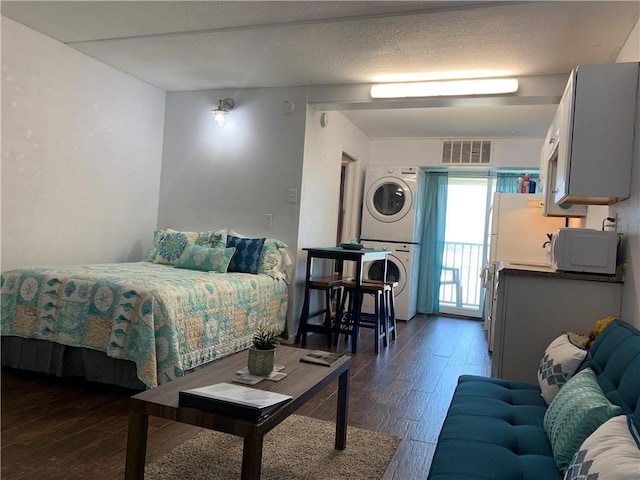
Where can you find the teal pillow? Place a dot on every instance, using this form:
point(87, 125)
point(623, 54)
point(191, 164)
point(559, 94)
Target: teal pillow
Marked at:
point(195, 257)
point(157, 238)
point(578, 409)
point(247, 256)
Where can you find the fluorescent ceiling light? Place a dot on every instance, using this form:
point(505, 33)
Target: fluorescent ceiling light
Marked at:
point(431, 76)
point(484, 86)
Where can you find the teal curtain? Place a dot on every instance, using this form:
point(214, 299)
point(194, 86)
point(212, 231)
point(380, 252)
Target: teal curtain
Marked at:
point(508, 182)
point(434, 213)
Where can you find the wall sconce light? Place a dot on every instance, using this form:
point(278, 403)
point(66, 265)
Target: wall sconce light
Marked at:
point(220, 113)
point(482, 86)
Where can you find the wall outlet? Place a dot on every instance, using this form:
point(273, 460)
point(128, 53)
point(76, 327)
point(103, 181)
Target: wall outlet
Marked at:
point(268, 220)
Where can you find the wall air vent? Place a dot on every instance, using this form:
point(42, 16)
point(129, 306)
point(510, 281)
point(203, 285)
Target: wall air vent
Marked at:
point(466, 152)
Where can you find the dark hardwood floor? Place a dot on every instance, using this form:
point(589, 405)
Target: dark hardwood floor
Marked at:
point(56, 428)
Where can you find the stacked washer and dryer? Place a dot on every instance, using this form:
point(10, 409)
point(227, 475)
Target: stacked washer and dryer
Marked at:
point(391, 220)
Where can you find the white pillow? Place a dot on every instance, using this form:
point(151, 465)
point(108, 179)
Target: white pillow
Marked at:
point(612, 452)
point(561, 360)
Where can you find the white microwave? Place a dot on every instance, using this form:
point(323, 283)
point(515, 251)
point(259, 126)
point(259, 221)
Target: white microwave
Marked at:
point(584, 250)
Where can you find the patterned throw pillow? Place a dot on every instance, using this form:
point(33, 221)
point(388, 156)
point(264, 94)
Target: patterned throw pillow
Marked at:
point(561, 360)
point(274, 259)
point(612, 452)
point(174, 241)
point(578, 410)
point(271, 258)
point(218, 238)
point(170, 248)
point(157, 237)
point(195, 257)
point(247, 256)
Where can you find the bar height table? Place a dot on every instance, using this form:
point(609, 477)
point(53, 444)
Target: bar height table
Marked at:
point(340, 255)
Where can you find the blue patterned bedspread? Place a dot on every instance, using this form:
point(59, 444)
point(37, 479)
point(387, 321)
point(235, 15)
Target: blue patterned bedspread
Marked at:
point(166, 320)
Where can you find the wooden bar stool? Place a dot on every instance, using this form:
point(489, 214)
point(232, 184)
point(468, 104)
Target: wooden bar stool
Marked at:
point(332, 289)
point(376, 321)
point(391, 310)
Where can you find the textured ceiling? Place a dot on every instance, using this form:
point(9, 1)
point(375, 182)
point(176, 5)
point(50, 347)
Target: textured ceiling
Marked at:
point(240, 44)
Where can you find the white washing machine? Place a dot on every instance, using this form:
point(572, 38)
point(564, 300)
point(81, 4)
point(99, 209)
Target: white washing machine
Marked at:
point(402, 266)
point(391, 204)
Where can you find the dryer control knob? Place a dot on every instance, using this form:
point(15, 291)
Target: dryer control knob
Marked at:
point(384, 246)
point(390, 170)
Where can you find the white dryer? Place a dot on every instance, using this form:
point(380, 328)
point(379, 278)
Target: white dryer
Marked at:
point(402, 267)
point(391, 204)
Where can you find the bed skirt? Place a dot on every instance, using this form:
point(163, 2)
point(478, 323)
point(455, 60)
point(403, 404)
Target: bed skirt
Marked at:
point(60, 360)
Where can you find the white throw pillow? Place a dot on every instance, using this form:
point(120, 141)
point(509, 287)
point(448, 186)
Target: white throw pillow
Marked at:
point(561, 360)
point(612, 452)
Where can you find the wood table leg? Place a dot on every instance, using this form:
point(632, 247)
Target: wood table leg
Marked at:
point(357, 311)
point(136, 445)
point(252, 457)
point(357, 308)
point(342, 411)
point(301, 336)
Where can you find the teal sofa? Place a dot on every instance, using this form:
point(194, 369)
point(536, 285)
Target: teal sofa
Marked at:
point(494, 428)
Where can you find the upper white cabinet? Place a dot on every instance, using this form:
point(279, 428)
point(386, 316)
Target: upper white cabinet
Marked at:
point(590, 161)
point(548, 174)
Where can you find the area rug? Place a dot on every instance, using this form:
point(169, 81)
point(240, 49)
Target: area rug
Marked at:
point(300, 448)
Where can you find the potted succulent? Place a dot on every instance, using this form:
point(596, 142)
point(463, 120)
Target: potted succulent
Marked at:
point(262, 351)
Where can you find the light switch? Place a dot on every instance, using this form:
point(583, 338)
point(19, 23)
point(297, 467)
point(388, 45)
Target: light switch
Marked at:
point(268, 220)
point(293, 195)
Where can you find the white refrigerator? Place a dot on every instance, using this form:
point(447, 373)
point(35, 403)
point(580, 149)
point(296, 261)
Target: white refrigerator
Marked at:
point(519, 231)
point(518, 235)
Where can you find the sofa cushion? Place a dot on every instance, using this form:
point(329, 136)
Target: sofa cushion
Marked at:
point(577, 411)
point(493, 429)
point(615, 359)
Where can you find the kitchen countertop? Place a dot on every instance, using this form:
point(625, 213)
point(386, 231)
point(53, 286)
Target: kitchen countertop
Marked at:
point(522, 269)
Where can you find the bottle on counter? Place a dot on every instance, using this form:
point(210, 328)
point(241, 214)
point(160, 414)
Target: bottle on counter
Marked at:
point(525, 184)
point(519, 187)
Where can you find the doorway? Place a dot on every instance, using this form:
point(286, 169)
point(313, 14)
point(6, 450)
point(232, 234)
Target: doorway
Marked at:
point(466, 245)
point(346, 229)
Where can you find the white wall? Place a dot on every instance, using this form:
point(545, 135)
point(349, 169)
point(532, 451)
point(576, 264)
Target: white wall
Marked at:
point(321, 185)
point(214, 178)
point(628, 211)
point(321, 175)
point(81, 153)
point(427, 152)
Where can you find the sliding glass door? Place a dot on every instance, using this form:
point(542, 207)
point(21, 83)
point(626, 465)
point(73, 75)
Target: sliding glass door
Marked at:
point(466, 244)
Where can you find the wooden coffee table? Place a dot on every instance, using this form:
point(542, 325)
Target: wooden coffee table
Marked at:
point(303, 381)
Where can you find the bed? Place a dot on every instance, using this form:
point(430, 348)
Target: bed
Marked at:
point(139, 324)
